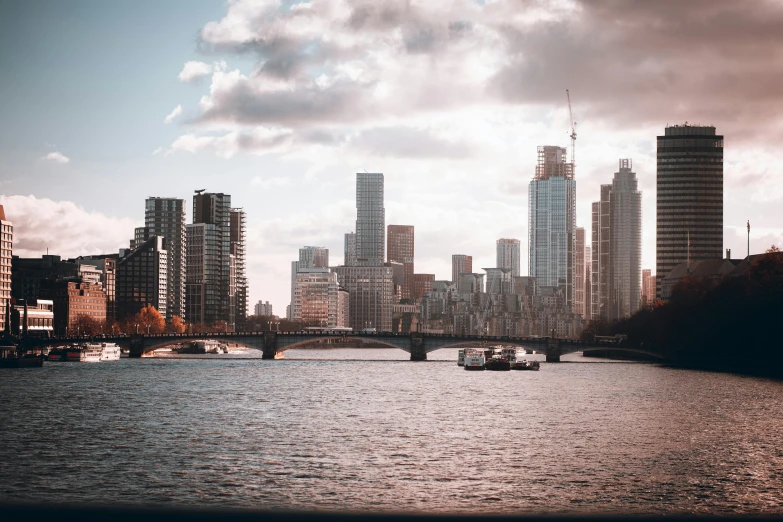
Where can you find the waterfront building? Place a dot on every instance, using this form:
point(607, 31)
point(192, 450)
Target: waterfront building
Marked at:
point(460, 264)
point(34, 318)
point(6, 257)
point(142, 279)
point(579, 272)
point(72, 299)
point(263, 308)
point(371, 295)
point(350, 249)
point(106, 267)
point(552, 220)
point(165, 217)
point(400, 249)
point(239, 273)
point(689, 206)
point(370, 220)
point(422, 283)
point(316, 297)
point(508, 255)
point(209, 292)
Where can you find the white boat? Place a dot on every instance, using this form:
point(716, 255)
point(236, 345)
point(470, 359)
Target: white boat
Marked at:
point(92, 352)
point(111, 352)
point(474, 360)
point(461, 358)
point(509, 353)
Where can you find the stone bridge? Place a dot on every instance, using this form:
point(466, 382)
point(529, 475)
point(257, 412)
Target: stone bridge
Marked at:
point(272, 344)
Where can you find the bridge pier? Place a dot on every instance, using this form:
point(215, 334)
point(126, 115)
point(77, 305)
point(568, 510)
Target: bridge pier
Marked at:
point(270, 345)
point(553, 350)
point(417, 347)
point(136, 348)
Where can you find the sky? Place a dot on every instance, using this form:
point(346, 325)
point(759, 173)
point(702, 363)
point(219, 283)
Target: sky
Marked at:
point(281, 103)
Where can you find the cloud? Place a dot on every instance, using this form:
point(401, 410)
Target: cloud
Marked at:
point(64, 228)
point(410, 143)
point(194, 70)
point(258, 141)
point(57, 157)
point(173, 114)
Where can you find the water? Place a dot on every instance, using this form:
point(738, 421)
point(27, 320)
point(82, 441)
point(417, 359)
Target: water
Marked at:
point(367, 430)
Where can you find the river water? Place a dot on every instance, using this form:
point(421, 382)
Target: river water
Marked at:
point(367, 430)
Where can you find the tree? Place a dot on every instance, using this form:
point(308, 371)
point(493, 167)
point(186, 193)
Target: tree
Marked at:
point(86, 325)
point(772, 250)
point(176, 325)
point(219, 327)
point(150, 320)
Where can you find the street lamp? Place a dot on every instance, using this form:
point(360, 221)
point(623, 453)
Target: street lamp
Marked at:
point(137, 327)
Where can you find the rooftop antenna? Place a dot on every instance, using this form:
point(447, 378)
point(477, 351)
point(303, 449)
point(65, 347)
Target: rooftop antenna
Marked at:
point(573, 131)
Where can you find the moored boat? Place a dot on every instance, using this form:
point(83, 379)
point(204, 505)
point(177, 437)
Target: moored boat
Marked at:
point(461, 358)
point(526, 365)
point(474, 360)
point(497, 364)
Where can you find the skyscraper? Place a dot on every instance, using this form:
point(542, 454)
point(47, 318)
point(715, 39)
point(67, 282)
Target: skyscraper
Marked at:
point(579, 272)
point(552, 219)
point(239, 272)
point(617, 246)
point(142, 278)
point(689, 197)
point(165, 217)
point(208, 288)
point(313, 257)
point(6, 254)
point(648, 291)
point(508, 255)
point(460, 264)
point(400, 249)
point(370, 220)
point(350, 249)
point(370, 295)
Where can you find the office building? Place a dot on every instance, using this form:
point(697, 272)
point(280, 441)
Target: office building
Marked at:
point(34, 318)
point(209, 292)
point(689, 207)
point(370, 220)
point(617, 246)
point(552, 220)
point(508, 255)
point(400, 239)
point(350, 249)
point(263, 308)
point(316, 297)
point(422, 283)
point(165, 217)
point(142, 279)
point(72, 299)
point(371, 295)
point(6, 256)
point(106, 267)
point(460, 264)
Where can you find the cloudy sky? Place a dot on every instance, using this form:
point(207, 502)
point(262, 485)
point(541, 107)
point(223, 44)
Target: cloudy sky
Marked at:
point(280, 103)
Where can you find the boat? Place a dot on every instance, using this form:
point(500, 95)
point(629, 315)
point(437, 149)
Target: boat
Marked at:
point(56, 354)
point(461, 358)
point(474, 360)
point(111, 352)
point(509, 353)
point(524, 364)
point(92, 352)
point(28, 360)
point(497, 364)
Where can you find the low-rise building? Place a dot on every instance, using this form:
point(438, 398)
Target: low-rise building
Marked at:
point(72, 299)
point(34, 318)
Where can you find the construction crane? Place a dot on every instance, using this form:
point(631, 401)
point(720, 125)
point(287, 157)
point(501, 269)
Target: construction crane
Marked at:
point(573, 129)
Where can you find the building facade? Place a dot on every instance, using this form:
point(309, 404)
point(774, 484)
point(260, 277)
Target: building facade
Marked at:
point(460, 264)
point(350, 249)
point(239, 273)
point(72, 299)
point(370, 220)
point(313, 257)
point(371, 295)
point(552, 221)
point(6, 257)
point(422, 283)
point(263, 308)
point(579, 272)
point(400, 249)
point(689, 201)
point(165, 217)
point(34, 318)
point(316, 297)
point(508, 253)
point(142, 279)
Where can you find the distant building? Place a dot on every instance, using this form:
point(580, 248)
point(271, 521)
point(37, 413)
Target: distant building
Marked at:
point(498, 280)
point(400, 249)
point(238, 281)
point(370, 219)
point(470, 283)
point(343, 308)
point(106, 266)
point(371, 295)
point(142, 279)
point(263, 308)
point(689, 197)
point(579, 272)
point(165, 217)
point(316, 297)
point(34, 318)
point(350, 249)
point(72, 299)
point(422, 283)
point(313, 257)
point(648, 288)
point(552, 222)
point(508, 255)
point(460, 264)
point(6, 255)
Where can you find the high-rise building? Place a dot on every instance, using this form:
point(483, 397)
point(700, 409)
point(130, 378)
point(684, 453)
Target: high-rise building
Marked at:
point(579, 272)
point(400, 239)
point(142, 278)
point(350, 249)
point(617, 225)
point(588, 282)
point(343, 308)
point(239, 279)
point(6, 255)
point(313, 257)
point(371, 295)
point(648, 291)
point(263, 308)
point(460, 264)
point(165, 217)
point(498, 280)
point(370, 220)
point(689, 206)
point(552, 219)
point(508, 255)
point(422, 283)
point(316, 297)
point(208, 290)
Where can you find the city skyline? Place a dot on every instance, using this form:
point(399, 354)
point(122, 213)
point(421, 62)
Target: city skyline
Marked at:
point(458, 174)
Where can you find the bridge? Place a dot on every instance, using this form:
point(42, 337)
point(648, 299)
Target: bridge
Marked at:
point(272, 344)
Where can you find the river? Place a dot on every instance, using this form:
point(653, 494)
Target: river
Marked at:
point(367, 430)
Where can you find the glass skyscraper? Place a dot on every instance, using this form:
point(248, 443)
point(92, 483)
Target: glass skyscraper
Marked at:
point(370, 220)
point(551, 222)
